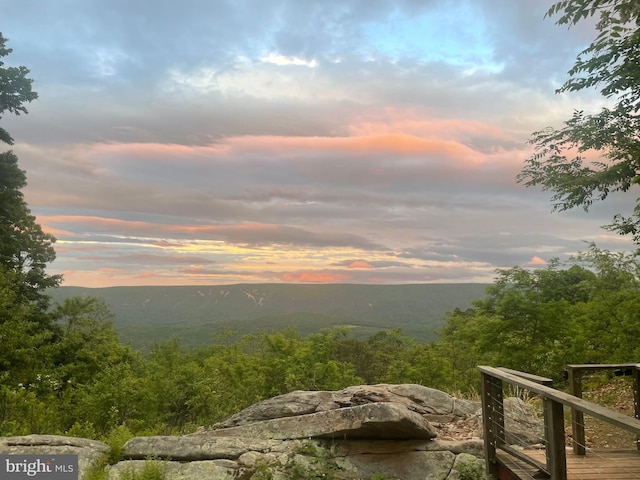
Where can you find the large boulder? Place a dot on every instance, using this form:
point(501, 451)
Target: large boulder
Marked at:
point(523, 428)
point(418, 398)
point(89, 452)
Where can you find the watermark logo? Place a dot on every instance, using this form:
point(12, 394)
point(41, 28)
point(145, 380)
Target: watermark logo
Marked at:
point(49, 467)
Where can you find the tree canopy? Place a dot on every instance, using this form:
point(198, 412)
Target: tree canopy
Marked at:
point(583, 311)
point(15, 89)
point(595, 155)
point(25, 249)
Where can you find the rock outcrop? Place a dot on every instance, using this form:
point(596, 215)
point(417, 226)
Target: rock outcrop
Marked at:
point(387, 431)
point(89, 452)
point(417, 398)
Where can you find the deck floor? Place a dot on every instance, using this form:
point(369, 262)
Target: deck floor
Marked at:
point(595, 465)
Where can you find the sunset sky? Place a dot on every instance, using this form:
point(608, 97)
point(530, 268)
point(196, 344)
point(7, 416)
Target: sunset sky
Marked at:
point(243, 141)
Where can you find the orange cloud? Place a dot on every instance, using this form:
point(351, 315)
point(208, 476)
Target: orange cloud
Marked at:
point(370, 140)
point(360, 264)
point(421, 123)
point(56, 232)
point(112, 224)
point(373, 144)
point(145, 275)
point(315, 277)
point(536, 261)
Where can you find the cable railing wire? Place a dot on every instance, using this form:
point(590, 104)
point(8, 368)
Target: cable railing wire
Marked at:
point(505, 437)
point(600, 454)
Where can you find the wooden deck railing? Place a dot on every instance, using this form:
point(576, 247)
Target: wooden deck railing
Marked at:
point(554, 402)
point(574, 377)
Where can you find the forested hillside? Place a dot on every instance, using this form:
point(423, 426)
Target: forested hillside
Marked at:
point(144, 315)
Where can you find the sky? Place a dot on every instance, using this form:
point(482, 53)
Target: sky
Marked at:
point(209, 142)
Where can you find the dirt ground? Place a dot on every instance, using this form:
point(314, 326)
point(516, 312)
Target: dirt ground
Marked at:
point(616, 394)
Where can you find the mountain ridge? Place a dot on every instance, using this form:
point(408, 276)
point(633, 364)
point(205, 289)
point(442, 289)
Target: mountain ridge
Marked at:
point(154, 313)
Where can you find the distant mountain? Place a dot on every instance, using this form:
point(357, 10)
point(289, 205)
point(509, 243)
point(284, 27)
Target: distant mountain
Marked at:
point(194, 314)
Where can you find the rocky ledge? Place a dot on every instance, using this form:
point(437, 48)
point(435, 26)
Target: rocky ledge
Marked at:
point(402, 432)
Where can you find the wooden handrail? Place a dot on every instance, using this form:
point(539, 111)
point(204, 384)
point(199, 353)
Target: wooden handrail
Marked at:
point(554, 400)
point(534, 378)
point(618, 419)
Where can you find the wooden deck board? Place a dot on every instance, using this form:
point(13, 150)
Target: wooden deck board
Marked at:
point(596, 465)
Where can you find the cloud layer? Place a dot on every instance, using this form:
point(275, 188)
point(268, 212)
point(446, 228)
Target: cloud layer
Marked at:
point(286, 141)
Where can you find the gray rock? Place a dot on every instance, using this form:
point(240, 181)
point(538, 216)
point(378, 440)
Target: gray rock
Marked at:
point(465, 408)
point(195, 447)
point(403, 466)
point(375, 420)
point(429, 399)
point(287, 405)
point(522, 427)
point(418, 398)
point(90, 452)
point(346, 448)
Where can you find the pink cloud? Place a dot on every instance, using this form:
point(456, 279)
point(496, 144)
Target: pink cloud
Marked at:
point(536, 262)
point(360, 264)
point(314, 277)
point(421, 123)
point(145, 275)
point(408, 136)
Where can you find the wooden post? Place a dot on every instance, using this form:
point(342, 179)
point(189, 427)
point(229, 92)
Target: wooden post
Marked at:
point(555, 451)
point(493, 420)
point(636, 397)
point(577, 417)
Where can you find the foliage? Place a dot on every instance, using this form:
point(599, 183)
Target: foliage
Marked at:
point(27, 334)
point(15, 89)
point(538, 321)
point(611, 62)
point(473, 470)
point(97, 470)
point(151, 470)
point(24, 248)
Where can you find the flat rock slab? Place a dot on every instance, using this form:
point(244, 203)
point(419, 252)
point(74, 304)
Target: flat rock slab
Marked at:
point(373, 420)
